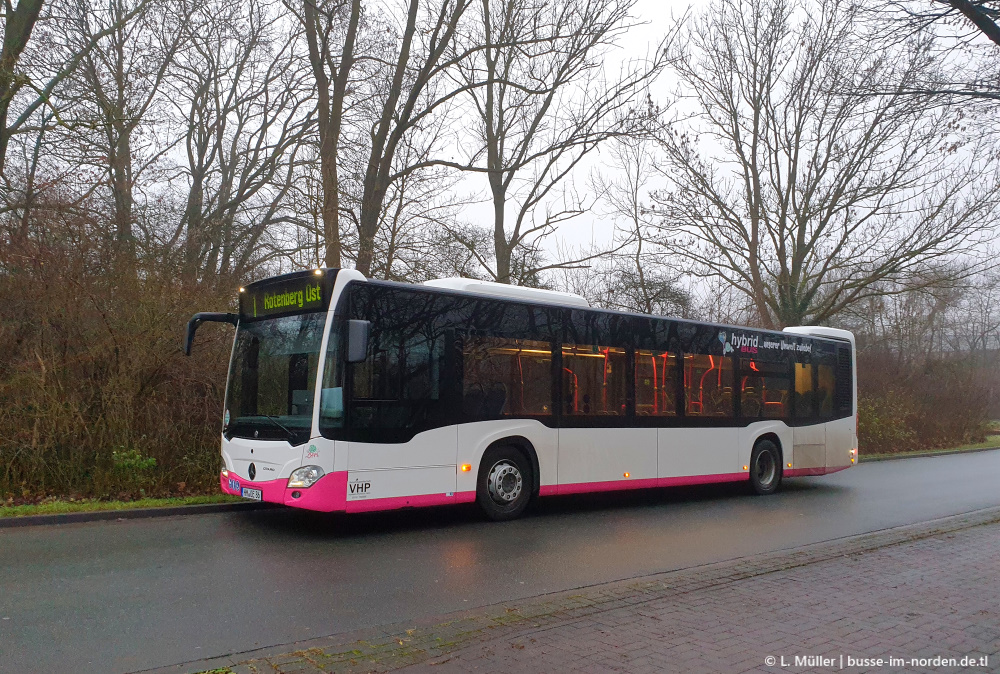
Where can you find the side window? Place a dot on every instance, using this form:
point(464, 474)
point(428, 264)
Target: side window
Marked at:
point(506, 377)
point(593, 379)
point(594, 372)
point(708, 372)
point(379, 376)
point(804, 400)
point(764, 389)
point(399, 384)
point(402, 369)
point(331, 409)
point(657, 368)
point(708, 386)
point(824, 390)
point(655, 383)
point(506, 360)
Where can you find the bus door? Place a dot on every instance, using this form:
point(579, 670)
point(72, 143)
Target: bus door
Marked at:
point(398, 445)
point(595, 444)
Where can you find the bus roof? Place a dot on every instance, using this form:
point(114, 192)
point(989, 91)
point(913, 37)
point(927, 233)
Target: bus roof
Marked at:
point(510, 291)
point(568, 300)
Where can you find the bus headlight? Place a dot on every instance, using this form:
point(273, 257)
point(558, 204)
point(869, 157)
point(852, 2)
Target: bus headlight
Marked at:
point(305, 477)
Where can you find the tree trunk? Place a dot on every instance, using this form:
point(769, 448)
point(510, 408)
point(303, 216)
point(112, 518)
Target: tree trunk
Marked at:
point(18, 25)
point(327, 144)
point(502, 249)
point(120, 168)
point(329, 113)
point(371, 208)
point(195, 228)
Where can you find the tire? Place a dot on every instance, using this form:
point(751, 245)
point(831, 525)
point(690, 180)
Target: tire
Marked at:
point(505, 482)
point(765, 468)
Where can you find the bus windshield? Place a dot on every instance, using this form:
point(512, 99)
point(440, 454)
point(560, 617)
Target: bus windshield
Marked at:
point(272, 377)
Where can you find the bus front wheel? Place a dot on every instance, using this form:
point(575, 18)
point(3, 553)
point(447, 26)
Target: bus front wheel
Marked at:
point(765, 467)
point(505, 481)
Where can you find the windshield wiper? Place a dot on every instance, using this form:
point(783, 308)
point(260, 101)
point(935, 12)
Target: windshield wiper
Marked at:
point(291, 434)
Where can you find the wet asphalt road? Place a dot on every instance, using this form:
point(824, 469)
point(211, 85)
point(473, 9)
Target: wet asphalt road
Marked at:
point(138, 594)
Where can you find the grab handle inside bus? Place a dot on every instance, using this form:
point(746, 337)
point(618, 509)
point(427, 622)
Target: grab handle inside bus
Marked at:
point(357, 340)
point(203, 317)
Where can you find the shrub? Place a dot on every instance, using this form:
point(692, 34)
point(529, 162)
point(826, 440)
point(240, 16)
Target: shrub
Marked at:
point(904, 406)
point(884, 424)
point(96, 396)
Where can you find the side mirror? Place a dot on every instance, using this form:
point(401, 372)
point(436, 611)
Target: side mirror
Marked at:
point(357, 340)
point(206, 316)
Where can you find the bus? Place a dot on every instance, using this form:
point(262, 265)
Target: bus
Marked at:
point(349, 394)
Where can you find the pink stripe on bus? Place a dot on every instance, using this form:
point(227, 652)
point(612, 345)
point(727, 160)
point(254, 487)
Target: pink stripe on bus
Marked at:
point(645, 483)
point(421, 501)
point(702, 479)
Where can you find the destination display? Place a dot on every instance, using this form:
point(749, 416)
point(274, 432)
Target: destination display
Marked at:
point(289, 296)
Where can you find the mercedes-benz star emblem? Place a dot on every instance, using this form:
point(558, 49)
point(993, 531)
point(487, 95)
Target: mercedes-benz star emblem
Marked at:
point(252, 472)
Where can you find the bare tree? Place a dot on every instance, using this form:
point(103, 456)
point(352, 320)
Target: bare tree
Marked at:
point(639, 276)
point(245, 105)
point(809, 197)
point(379, 72)
point(420, 207)
point(543, 101)
point(114, 98)
point(980, 327)
point(967, 51)
point(410, 100)
point(35, 82)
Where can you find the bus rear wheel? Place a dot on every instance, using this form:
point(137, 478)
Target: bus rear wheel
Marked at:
point(765, 468)
point(504, 487)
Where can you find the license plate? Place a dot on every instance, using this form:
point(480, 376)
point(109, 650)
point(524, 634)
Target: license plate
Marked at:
point(252, 494)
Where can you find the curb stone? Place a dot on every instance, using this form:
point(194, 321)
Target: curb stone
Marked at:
point(398, 645)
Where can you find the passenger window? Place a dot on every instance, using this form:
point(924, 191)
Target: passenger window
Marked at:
point(594, 364)
point(506, 377)
point(593, 379)
point(764, 390)
point(804, 400)
point(824, 391)
point(708, 386)
point(655, 383)
point(399, 368)
point(398, 385)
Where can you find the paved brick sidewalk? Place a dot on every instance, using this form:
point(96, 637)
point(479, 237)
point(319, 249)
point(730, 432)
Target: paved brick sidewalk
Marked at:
point(913, 592)
point(938, 596)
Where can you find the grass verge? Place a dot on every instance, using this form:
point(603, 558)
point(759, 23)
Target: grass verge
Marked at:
point(92, 505)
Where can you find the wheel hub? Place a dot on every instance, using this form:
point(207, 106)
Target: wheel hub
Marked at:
point(504, 482)
point(765, 468)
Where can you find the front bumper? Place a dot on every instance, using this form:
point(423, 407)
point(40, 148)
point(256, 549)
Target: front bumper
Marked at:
point(328, 494)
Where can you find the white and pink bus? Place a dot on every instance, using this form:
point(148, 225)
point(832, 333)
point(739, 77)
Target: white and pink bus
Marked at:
point(348, 394)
